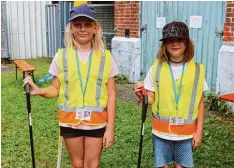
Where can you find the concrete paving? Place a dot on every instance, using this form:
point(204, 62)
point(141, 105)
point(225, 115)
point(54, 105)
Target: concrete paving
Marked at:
point(5, 68)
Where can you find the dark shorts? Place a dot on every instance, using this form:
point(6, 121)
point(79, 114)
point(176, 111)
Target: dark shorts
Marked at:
point(70, 132)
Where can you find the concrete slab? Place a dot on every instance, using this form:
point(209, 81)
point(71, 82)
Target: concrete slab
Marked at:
point(5, 68)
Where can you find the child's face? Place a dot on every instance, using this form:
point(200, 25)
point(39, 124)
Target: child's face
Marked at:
point(83, 29)
point(175, 47)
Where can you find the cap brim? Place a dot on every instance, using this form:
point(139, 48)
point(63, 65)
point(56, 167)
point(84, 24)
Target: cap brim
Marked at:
point(162, 39)
point(81, 15)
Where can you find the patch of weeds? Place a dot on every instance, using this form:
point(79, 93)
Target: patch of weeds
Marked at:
point(121, 79)
point(217, 148)
point(220, 107)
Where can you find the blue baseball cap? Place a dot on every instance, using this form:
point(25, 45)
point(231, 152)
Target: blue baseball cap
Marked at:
point(82, 10)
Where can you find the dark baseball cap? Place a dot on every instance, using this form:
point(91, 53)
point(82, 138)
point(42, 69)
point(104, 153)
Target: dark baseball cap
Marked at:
point(175, 29)
point(82, 10)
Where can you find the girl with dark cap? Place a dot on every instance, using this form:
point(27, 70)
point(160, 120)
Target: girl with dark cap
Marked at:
point(175, 85)
point(84, 83)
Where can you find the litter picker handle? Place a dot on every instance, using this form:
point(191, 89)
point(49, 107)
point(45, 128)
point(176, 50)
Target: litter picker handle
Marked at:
point(143, 91)
point(143, 117)
point(27, 89)
point(144, 104)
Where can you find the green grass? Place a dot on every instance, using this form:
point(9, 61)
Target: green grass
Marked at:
point(216, 151)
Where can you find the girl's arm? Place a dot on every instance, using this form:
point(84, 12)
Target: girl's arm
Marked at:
point(150, 97)
point(197, 138)
point(108, 138)
point(200, 117)
point(52, 90)
point(111, 105)
point(49, 92)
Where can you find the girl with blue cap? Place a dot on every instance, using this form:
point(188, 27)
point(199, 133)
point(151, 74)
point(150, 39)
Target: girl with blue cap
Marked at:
point(84, 83)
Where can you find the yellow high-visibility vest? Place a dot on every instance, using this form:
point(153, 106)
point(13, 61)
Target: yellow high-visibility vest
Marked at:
point(164, 105)
point(70, 94)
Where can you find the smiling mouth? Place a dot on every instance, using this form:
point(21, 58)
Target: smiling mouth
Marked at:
point(82, 35)
point(175, 49)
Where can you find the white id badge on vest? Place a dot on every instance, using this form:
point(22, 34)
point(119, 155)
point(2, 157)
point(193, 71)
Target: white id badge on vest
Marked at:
point(176, 120)
point(79, 114)
point(83, 114)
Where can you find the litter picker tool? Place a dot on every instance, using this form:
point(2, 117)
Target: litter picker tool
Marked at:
point(27, 89)
point(60, 150)
point(143, 117)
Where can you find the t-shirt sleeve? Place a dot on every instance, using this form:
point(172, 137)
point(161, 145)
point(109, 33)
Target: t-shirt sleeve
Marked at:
point(114, 69)
point(206, 87)
point(54, 70)
point(148, 82)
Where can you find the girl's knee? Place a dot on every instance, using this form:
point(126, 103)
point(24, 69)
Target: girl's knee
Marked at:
point(78, 164)
point(92, 164)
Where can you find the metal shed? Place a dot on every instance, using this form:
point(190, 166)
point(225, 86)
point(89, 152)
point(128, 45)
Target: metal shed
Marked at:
point(26, 29)
point(4, 40)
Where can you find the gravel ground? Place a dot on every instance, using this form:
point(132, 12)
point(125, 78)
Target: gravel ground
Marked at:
point(125, 93)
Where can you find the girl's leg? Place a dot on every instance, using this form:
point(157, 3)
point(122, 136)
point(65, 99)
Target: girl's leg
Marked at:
point(178, 166)
point(183, 153)
point(167, 166)
point(163, 152)
point(93, 151)
point(75, 148)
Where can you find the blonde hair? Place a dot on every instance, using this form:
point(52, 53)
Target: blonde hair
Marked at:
point(97, 42)
point(188, 55)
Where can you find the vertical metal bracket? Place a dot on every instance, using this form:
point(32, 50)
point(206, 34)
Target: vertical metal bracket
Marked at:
point(143, 27)
point(218, 32)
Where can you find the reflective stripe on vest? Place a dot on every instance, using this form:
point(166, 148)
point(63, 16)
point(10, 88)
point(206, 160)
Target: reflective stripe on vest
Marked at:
point(66, 113)
point(161, 123)
point(65, 69)
point(193, 97)
point(100, 78)
point(157, 82)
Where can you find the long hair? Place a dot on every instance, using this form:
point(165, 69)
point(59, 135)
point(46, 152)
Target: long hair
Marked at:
point(163, 55)
point(97, 42)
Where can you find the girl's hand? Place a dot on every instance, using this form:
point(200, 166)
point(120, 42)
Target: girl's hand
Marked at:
point(137, 89)
point(197, 139)
point(35, 90)
point(108, 139)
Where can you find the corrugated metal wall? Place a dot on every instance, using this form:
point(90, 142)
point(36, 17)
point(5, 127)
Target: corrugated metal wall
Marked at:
point(53, 31)
point(65, 7)
point(4, 40)
point(105, 17)
point(57, 16)
point(207, 44)
point(26, 29)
